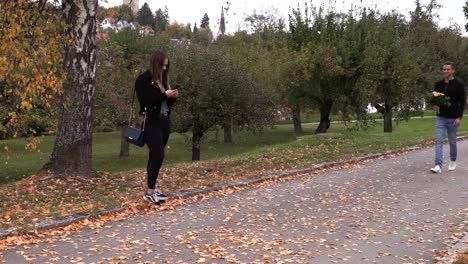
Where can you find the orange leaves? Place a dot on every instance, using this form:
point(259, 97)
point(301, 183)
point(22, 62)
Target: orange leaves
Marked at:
point(343, 198)
point(33, 144)
point(31, 49)
point(26, 105)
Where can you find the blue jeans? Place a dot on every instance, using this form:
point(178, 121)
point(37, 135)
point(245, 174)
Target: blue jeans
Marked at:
point(442, 124)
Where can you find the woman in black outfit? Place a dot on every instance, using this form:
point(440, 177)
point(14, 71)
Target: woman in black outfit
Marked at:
point(156, 98)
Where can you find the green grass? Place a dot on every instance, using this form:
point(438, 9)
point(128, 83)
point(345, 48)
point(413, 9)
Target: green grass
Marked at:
point(20, 163)
point(315, 117)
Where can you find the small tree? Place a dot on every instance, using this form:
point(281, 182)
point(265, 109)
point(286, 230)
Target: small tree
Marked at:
point(125, 13)
point(178, 31)
point(465, 10)
point(145, 16)
point(215, 90)
point(389, 70)
point(205, 22)
point(161, 20)
point(202, 37)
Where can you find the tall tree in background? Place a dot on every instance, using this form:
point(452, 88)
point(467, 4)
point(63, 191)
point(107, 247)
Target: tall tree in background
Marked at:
point(205, 22)
point(465, 10)
point(299, 25)
point(145, 16)
point(125, 13)
point(161, 20)
point(216, 87)
point(390, 69)
point(72, 153)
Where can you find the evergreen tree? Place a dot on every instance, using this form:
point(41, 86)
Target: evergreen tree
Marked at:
point(205, 22)
point(161, 20)
point(125, 13)
point(465, 9)
point(145, 16)
point(195, 28)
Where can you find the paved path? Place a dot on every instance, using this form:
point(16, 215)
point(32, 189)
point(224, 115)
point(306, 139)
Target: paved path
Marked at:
point(384, 211)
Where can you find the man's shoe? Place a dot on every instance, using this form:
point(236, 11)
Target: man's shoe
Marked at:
point(452, 165)
point(152, 198)
point(161, 196)
point(436, 169)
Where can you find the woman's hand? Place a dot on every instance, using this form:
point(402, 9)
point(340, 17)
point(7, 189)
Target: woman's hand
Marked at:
point(172, 93)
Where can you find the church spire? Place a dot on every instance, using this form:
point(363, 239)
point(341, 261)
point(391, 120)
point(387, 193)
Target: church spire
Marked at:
point(222, 23)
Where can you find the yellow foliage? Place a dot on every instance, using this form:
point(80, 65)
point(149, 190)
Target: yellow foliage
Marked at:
point(31, 52)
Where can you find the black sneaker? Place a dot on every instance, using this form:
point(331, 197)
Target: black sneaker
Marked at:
point(152, 198)
point(161, 196)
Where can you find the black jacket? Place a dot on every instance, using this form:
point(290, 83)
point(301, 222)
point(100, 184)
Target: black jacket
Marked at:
point(456, 91)
point(150, 96)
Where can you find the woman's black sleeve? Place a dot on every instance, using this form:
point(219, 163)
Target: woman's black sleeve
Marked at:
point(146, 95)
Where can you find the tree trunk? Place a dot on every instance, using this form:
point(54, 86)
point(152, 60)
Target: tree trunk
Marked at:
point(387, 114)
point(197, 135)
point(296, 116)
point(227, 130)
point(72, 153)
point(124, 145)
point(325, 111)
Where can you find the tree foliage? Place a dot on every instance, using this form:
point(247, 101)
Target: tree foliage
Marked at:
point(125, 13)
point(205, 22)
point(119, 62)
point(389, 72)
point(178, 31)
point(161, 19)
point(465, 10)
point(216, 89)
point(145, 16)
point(31, 58)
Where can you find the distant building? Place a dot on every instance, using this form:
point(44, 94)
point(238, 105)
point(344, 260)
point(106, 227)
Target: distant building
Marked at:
point(181, 43)
point(124, 24)
point(134, 5)
point(146, 30)
point(108, 24)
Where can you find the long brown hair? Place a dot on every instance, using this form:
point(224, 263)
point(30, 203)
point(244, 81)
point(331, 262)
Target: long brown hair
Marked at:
point(156, 67)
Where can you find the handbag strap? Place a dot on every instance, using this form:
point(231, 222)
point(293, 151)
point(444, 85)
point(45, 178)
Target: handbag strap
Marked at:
point(131, 112)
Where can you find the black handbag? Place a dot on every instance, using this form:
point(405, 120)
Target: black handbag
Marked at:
point(135, 135)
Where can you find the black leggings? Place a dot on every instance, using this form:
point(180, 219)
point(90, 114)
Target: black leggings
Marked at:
point(156, 135)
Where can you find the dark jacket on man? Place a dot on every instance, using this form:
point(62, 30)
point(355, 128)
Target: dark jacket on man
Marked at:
point(455, 89)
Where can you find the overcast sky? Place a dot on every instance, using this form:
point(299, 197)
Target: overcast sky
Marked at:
point(192, 11)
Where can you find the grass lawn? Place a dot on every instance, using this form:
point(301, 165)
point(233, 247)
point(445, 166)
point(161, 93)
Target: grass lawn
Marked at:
point(315, 117)
point(120, 182)
point(19, 163)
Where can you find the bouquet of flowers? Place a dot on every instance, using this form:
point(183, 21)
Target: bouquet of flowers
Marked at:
point(439, 99)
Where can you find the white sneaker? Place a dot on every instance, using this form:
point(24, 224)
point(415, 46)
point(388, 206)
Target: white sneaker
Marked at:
point(452, 165)
point(436, 169)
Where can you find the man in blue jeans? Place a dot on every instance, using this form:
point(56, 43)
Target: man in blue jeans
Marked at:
point(448, 117)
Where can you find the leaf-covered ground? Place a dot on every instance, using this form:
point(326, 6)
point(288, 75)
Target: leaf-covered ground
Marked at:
point(389, 210)
point(26, 203)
